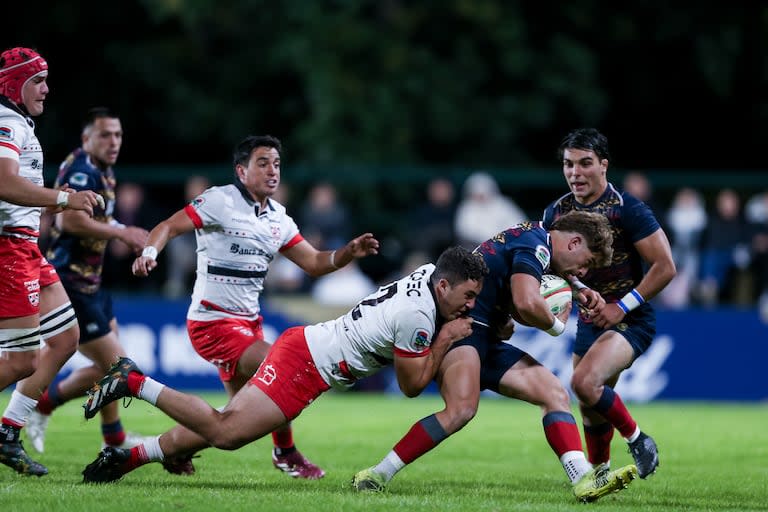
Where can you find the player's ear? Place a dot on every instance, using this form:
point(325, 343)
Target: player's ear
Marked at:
point(575, 242)
point(240, 171)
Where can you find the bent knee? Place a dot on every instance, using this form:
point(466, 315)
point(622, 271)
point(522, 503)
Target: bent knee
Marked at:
point(226, 442)
point(460, 414)
point(586, 388)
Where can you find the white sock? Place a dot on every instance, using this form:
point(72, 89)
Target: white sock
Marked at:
point(634, 436)
point(575, 465)
point(389, 466)
point(150, 390)
point(152, 448)
point(19, 407)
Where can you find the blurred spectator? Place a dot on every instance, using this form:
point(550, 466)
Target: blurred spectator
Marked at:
point(639, 186)
point(757, 215)
point(430, 225)
point(181, 252)
point(483, 211)
point(344, 287)
point(324, 220)
point(686, 220)
point(725, 249)
point(131, 209)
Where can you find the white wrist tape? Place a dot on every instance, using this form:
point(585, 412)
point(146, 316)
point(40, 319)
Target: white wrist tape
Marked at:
point(578, 285)
point(631, 301)
point(557, 328)
point(62, 200)
point(149, 252)
point(333, 260)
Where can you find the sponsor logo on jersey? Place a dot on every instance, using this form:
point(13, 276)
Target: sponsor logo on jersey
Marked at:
point(32, 286)
point(421, 338)
point(78, 179)
point(6, 133)
point(236, 249)
point(197, 202)
point(275, 228)
point(542, 254)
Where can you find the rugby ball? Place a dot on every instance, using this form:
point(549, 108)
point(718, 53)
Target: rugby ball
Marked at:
point(556, 291)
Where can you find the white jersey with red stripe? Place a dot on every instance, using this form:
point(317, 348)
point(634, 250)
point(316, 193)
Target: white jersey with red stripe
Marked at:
point(236, 241)
point(19, 142)
point(399, 319)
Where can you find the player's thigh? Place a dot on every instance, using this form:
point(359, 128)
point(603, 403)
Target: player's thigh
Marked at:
point(251, 414)
point(605, 359)
point(103, 351)
point(529, 380)
point(459, 375)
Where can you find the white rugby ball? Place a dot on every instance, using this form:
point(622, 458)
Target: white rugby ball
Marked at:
point(556, 291)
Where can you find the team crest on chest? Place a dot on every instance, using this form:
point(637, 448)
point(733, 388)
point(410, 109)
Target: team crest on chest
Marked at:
point(275, 229)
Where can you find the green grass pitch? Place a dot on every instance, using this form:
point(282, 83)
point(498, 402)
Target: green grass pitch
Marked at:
point(714, 457)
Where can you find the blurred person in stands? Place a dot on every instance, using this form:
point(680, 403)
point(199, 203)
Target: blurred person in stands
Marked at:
point(239, 229)
point(725, 249)
point(77, 246)
point(637, 184)
point(431, 223)
point(686, 220)
point(324, 219)
point(616, 323)
point(181, 253)
point(483, 211)
point(35, 305)
point(757, 216)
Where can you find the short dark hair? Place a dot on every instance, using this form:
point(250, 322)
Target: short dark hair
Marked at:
point(97, 113)
point(457, 264)
point(243, 150)
point(595, 229)
point(586, 139)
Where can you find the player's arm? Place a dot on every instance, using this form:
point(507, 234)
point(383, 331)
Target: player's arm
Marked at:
point(589, 298)
point(317, 263)
point(656, 252)
point(173, 226)
point(531, 308)
point(21, 191)
point(80, 224)
point(415, 371)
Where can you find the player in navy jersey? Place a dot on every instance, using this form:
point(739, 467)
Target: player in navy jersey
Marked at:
point(76, 250)
point(239, 228)
point(516, 259)
point(616, 323)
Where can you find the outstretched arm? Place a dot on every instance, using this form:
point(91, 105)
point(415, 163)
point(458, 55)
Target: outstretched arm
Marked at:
point(317, 263)
point(171, 227)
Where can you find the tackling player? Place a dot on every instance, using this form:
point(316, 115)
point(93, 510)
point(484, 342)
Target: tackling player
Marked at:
point(409, 323)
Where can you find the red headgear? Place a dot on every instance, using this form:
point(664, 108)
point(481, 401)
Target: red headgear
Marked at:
point(18, 65)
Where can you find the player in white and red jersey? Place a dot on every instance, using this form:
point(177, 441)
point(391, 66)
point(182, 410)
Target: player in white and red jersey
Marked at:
point(239, 229)
point(409, 324)
point(35, 304)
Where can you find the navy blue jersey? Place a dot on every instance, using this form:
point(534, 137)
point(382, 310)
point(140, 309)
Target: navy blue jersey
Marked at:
point(524, 248)
point(79, 261)
point(631, 221)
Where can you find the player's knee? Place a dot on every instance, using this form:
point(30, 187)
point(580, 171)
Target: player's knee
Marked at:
point(227, 441)
point(22, 368)
point(461, 413)
point(584, 386)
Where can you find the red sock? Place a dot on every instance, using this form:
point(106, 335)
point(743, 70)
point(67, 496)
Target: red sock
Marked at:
point(423, 436)
point(113, 433)
point(135, 381)
point(138, 458)
point(561, 432)
point(598, 439)
point(44, 404)
point(613, 409)
point(283, 438)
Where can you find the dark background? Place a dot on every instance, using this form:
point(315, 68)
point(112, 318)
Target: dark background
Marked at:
point(456, 83)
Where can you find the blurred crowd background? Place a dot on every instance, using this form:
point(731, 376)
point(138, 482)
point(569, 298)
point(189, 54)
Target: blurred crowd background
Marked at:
point(427, 123)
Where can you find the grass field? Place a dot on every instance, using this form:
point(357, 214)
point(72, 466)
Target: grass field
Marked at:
point(714, 457)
